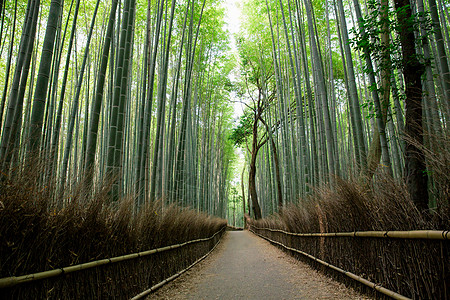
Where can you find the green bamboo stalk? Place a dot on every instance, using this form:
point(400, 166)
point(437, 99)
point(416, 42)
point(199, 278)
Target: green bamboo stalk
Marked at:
point(42, 81)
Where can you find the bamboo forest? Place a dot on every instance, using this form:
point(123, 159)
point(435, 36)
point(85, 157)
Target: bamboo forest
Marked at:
point(136, 135)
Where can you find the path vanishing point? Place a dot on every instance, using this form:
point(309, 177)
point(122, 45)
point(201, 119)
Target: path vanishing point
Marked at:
point(245, 266)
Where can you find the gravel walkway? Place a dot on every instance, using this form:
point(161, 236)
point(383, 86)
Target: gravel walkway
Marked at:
point(247, 267)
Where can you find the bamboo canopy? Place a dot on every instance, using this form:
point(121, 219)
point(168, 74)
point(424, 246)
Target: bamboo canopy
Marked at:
point(12, 281)
point(412, 234)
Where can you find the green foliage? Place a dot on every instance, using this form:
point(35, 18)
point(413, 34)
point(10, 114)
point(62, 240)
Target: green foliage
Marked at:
point(235, 211)
point(338, 66)
point(373, 25)
point(370, 39)
point(243, 130)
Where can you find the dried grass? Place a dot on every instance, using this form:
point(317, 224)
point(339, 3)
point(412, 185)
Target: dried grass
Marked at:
point(36, 235)
point(415, 268)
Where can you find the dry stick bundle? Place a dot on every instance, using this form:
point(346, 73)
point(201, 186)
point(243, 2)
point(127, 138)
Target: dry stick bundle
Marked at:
point(411, 267)
point(36, 235)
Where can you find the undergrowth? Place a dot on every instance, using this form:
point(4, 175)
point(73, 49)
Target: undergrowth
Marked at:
point(37, 234)
point(415, 268)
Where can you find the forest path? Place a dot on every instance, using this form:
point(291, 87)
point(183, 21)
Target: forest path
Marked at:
point(245, 266)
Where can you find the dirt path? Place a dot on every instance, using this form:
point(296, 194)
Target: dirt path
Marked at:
point(247, 267)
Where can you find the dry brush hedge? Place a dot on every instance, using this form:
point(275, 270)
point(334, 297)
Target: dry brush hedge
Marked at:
point(35, 237)
point(415, 268)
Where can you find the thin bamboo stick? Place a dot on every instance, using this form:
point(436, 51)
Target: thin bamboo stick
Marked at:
point(12, 281)
point(412, 234)
point(375, 286)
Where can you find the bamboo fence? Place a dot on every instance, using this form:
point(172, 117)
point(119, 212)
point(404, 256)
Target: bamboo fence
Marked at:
point(413, 234)
point(167, 280)
point(13, 281)
point(366, 282)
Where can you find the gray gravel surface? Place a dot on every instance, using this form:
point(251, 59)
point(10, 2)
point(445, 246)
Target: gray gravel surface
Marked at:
point(247, 267)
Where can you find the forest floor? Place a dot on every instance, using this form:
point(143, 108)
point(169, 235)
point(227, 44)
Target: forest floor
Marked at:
point(244, 266)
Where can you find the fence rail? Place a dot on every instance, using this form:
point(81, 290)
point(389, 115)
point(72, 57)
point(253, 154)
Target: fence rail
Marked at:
point(167, 280)
point(12, 281)
point(413, 234)
point(366, 282)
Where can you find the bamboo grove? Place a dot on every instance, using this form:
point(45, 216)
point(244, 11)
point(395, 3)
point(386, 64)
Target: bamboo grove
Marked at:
point(138, 96)
point(353, 89)
point(126, 94)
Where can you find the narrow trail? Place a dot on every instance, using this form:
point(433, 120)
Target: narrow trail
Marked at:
point(247, 267)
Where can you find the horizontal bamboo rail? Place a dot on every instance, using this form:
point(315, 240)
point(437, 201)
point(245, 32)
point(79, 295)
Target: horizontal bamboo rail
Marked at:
point(167, 280)
point(366, 282)
point(413, 234)
point(12, 281)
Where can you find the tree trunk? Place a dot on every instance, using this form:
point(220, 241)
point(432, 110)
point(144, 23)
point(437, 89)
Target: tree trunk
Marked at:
point(252, 187)
point(252, 172)
point(243, 197)
point(415, 168)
